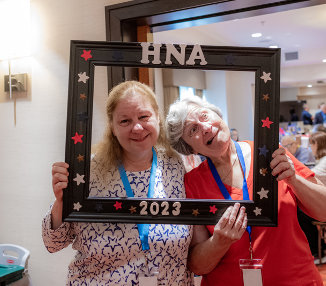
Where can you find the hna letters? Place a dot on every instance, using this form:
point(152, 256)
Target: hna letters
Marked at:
point(196, 54)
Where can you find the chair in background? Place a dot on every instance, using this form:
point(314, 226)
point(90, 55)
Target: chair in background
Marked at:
point(13, 263)
point(321, 227)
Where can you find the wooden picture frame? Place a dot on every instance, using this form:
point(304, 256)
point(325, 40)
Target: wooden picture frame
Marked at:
point(86, 55)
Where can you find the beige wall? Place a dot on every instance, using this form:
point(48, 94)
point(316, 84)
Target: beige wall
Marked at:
point(193, 78)
point(28, 150)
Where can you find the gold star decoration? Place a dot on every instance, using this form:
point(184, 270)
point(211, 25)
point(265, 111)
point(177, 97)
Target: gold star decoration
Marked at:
point(263, 171)
point(133, 209)
point(82, 96)
point(266, 97)
point(80, 158)
point(195, 212)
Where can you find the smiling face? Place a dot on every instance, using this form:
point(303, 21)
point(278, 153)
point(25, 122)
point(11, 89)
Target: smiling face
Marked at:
point(135, 124)
point(206, 132)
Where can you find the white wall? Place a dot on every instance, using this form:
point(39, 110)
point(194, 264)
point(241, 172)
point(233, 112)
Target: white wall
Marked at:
point(216, 91)
point(184, 77)
point(28, 150)
point(240, 102)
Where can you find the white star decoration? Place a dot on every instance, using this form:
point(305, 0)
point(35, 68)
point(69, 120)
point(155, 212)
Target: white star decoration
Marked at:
point(263, 193)
point(83, 77)
point(257, 211)
point(77, 206)
point(79, 179)
point(266, 77)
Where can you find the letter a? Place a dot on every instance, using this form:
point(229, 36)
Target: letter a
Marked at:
point(146, 52)
point(171, 50)
point(196, 53)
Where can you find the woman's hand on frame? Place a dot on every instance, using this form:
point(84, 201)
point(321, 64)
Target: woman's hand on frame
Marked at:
point(59, 179)
point(282, 165)
point(231, 225)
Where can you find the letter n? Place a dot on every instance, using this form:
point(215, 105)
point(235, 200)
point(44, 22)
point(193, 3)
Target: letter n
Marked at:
point(171, 50)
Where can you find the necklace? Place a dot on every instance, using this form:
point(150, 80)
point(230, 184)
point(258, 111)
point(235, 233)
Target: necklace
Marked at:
point(229, 171)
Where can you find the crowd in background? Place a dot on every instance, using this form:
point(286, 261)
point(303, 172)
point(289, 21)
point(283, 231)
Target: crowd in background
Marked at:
point(307, 142)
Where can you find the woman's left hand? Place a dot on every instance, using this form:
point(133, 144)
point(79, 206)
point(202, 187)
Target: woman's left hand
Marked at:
point(282, 165)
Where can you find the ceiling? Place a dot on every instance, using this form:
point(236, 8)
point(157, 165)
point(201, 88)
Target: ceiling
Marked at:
point(300, 30)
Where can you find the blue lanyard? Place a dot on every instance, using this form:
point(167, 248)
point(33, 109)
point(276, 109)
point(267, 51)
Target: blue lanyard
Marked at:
point(142, 228)
point(221, 186)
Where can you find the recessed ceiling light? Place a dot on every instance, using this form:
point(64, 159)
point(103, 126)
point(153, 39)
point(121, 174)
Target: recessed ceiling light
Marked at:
point(324, 60)
point(309, 85)
point(273, 47)
point(256, 35)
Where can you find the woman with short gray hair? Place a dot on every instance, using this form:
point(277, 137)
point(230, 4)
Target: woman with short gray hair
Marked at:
point(176, 118)
point(196, 127)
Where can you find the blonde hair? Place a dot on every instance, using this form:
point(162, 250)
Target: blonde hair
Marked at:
point(109, 151)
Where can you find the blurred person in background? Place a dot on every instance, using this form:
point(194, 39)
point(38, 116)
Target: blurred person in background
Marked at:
point(234, 134)
point(317, 142)
point(320, 116)
point(293, 115)
point(306, 115)
point(319, 128)
point(304, 155)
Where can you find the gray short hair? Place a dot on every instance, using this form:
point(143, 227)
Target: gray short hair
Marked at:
point(175, 121)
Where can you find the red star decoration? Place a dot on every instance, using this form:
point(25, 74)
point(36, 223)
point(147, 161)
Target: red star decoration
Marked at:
point(117, 205)
point(77, 138)
point(86, 55)
point(267, 122)
point(212, 209)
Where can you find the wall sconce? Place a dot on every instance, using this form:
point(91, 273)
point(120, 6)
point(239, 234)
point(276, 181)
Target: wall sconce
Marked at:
point(15, 44)
point(15, 82)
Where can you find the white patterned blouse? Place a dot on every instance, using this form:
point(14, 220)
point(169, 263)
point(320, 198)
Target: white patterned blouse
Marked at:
point(111, 253)
point(320, 170)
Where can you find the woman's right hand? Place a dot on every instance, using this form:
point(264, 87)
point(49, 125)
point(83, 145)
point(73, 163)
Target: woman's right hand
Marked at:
point(231, 225)
point(59, 179)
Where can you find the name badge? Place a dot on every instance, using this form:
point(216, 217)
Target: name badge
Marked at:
point(148, 281)
point(251, 272)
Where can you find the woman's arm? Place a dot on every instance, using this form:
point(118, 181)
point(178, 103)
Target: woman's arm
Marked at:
point(56, 234)
point(311, 193)
point(59, 182)
point(205, 251)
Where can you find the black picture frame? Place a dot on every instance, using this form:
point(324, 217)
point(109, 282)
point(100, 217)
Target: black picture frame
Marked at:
point(86, 55)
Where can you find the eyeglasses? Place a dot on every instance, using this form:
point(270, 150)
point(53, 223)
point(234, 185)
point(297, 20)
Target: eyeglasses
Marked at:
point(288, 145)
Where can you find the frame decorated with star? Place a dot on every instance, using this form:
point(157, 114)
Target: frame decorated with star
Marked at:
point(86, 55)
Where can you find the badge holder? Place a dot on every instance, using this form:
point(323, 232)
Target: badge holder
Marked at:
point(251, 270)
point(148, 277)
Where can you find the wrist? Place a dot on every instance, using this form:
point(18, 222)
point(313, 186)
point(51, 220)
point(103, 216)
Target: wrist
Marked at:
point(220, 242)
